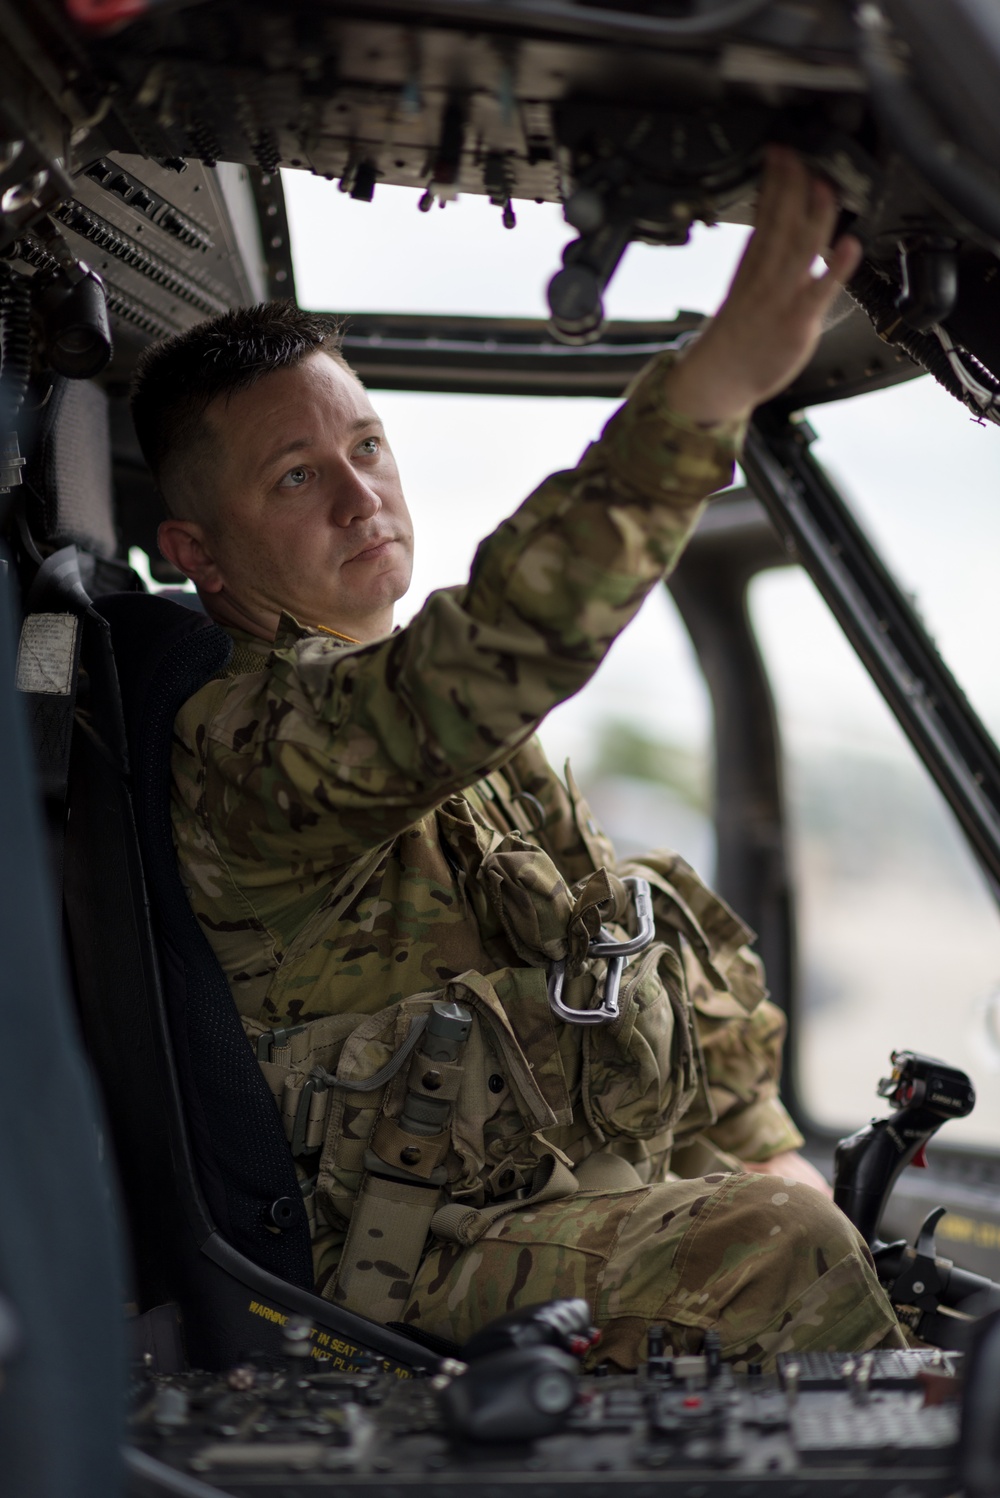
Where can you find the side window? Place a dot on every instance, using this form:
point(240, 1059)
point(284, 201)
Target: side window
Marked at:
point(639, 737)
point(899, 936)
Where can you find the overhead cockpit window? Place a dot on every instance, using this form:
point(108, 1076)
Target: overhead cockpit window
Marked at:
point(387, 256)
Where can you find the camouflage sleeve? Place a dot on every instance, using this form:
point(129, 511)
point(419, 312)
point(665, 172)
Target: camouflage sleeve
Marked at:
point(352, 746)
point(743, 1069)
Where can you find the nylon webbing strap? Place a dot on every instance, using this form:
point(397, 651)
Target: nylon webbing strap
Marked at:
point(385, 1243)
point(461, 1224)
point(388, 1071)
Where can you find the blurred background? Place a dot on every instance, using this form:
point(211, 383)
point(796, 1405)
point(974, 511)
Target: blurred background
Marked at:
point(899, 935)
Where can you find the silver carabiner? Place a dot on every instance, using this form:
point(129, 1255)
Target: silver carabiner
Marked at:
point(616, 952)
point(642, 903)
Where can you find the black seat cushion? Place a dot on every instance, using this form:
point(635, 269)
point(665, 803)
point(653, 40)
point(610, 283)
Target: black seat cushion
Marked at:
point(164, 653)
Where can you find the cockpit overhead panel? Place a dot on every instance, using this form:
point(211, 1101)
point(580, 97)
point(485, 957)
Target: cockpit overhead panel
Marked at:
point(640, 119)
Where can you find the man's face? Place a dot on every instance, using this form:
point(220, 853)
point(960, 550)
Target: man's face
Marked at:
point(307, 510)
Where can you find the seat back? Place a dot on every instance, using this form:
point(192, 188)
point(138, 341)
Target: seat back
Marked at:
point(203, 1153)
point(163, 653)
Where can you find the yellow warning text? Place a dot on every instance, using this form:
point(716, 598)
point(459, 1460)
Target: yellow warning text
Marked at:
point(326, 1348)
point(958, 1229)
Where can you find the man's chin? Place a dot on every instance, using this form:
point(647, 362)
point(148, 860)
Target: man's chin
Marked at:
point(363, 612)
point(382, 583)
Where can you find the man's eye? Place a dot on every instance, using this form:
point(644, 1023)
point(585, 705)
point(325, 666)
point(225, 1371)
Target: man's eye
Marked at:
point(294, 478)
point(370, 447)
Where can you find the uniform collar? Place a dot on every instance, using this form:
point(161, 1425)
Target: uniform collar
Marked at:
point(288, 633)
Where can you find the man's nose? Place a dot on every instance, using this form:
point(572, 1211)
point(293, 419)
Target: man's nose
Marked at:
point(353, 498)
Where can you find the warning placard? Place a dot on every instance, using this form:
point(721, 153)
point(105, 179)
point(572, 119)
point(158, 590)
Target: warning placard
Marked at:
point(46, 653)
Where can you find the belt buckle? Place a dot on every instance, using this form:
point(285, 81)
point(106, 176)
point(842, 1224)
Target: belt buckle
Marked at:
point(271, 1040)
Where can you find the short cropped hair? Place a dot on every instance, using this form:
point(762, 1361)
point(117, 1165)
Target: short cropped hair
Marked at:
point(178, 379)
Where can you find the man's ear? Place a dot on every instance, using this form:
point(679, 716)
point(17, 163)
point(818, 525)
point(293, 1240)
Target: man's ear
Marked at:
point(186, 544)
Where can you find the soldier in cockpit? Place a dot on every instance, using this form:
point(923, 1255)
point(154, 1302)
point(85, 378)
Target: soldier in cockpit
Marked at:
point(371, 837)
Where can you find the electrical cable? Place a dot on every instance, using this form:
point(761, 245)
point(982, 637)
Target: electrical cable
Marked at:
point(706, 24)
point(15, 372)
point(568, 15)
point(912, 128)
point(876, 296)
point(934, 351)
point(987, 400)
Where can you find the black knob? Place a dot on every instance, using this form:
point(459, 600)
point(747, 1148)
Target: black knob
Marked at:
point(281, 1213)
point(575, 303)
point(517, 1395)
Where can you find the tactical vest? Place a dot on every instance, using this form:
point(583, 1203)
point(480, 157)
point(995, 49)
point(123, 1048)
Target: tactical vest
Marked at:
point(498, 1091)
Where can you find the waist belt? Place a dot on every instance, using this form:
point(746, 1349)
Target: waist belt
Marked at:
point(304, 1099)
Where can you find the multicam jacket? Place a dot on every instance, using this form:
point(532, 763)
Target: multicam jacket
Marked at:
point(332, 804)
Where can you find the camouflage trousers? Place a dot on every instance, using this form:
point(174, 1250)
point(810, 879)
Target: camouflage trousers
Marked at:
point(772, 1265)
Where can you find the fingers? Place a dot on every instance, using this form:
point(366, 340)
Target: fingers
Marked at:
point(824, 211)
point(782, 208)
point(774, 185)
point(845, 257)
point(842, 261)
point(796, 213)
point(772, 317)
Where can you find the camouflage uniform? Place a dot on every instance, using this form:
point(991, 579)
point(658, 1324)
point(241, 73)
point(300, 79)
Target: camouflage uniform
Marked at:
point(348, 826)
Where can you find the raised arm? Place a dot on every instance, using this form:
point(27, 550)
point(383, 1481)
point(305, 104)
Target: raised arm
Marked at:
point(382, 733)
